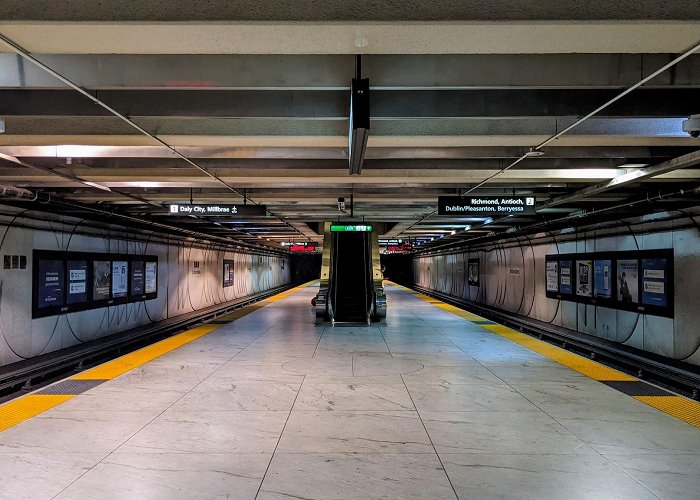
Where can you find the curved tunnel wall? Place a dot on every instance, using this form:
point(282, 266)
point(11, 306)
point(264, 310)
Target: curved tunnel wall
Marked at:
point(512, 279)
point(180, 290)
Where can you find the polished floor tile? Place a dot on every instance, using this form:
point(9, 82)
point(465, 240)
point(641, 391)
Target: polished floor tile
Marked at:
point(356, 475)
point(169, 476)
point(354, 432)
point(545, 477)
point(353, 396)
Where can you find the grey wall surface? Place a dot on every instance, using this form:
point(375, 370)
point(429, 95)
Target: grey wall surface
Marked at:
point(180, 290)
point(512, 278)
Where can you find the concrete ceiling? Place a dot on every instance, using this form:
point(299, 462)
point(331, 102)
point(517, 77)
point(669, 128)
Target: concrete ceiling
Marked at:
point(258, 99)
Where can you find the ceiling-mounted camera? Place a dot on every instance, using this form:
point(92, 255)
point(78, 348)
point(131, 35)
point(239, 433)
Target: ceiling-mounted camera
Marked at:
point(692, 126)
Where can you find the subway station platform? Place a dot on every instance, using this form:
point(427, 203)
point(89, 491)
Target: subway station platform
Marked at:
point(437, 403)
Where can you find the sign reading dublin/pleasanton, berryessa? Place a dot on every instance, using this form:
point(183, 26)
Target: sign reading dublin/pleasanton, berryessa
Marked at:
point(217, 210)
point(486, 206)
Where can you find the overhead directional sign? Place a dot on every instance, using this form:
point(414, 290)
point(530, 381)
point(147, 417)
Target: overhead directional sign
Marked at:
point(349, 228)
point(218, 210)
point(477, 206)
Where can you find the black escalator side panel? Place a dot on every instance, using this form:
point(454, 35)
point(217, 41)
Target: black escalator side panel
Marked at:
point(350, 304)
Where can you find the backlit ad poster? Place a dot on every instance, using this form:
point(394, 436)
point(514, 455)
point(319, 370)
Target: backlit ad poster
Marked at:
point(602, 279)
point(566, 277)
point(628, 281)
point(51, 282)
point(151, 280)
point(584, 278)
point(473, 272)
point(77, 281)
point(101, 279)
point(655, 282)
point(137, 277)
point(552, 275)
point(228, 273)
point(120, 279)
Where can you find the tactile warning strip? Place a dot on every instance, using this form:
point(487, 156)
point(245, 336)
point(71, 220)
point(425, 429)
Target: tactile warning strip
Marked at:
point(677, 406)
point(637, 388)
point(70, 386)
point(18, 410)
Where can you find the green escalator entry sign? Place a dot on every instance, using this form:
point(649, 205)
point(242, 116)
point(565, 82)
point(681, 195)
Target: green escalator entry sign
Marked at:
point(351, 228)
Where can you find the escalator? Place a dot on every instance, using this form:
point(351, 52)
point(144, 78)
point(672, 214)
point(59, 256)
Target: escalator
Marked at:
point(351, 278)
point(351, 288)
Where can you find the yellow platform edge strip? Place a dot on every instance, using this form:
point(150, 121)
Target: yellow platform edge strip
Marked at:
point(18, 410)
point(679, 407)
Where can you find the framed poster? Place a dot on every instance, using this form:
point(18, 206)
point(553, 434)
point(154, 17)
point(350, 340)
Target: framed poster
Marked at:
point(628, 281)
point(50, 284)
point(151, 277)
point(603, 279)
point(101, 279)
point(228, 273)
point(655, 282)
point(120, 279)
point(552, 276)
point(77, 289)
point(584, 277)
point(137, 278)
point(473, 272)
point(566, 277)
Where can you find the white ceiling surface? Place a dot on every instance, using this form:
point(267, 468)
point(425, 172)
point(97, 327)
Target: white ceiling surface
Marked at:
point(540, 37)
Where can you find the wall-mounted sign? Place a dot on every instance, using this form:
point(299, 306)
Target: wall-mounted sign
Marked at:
point(151, 279)
point(196, 270)
point(474, 206)
point(350, 228)
point(218, 210)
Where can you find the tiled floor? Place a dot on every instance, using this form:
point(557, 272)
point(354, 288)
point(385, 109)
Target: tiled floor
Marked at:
point(428, 406)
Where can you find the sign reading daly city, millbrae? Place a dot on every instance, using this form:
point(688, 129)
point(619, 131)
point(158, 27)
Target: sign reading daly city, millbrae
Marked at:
point(485, 206)
point(217, 210)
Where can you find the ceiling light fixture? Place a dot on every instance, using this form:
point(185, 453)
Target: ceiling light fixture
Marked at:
point(359, 119)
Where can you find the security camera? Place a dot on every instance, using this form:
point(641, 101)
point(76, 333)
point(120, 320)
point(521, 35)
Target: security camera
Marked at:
point(341, 204)
point(692, 126)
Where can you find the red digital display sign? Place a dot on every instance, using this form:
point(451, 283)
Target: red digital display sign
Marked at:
point(302, 248)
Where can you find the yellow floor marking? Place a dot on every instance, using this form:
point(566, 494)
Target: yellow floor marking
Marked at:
point(21, 409)
point(26, 407)
point(682, 408)
point(677, 406)
point(123, 364)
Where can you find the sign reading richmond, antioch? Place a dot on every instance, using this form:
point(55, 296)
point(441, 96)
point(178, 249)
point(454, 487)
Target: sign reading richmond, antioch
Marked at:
point(485, 206)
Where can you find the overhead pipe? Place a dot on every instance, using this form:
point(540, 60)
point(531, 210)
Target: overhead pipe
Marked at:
point(8, 191)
